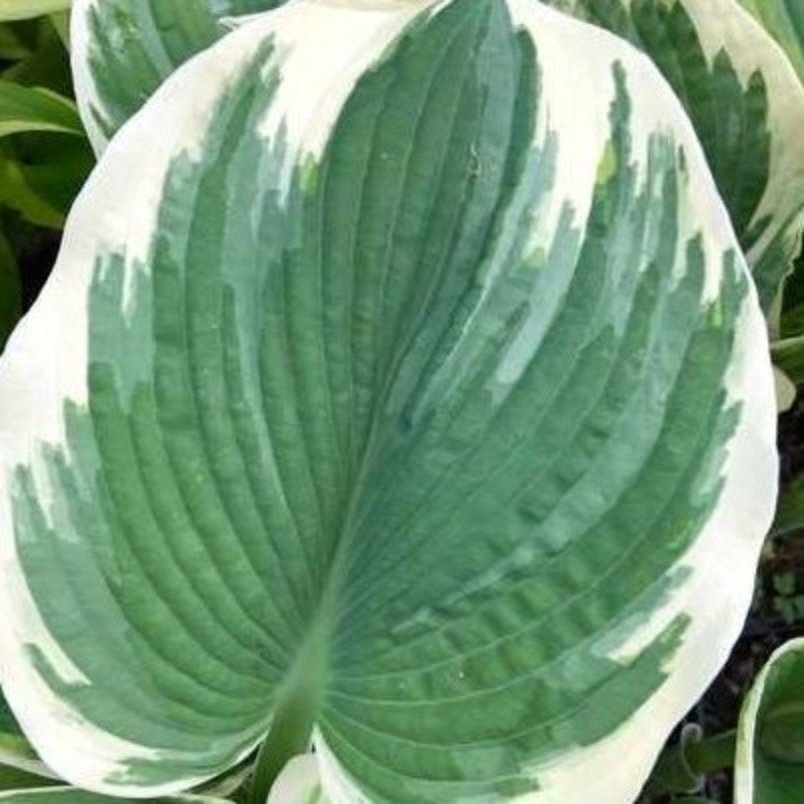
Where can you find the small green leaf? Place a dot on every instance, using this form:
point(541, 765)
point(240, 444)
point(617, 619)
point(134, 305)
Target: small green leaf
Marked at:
point(785, 390)
point(770, 748)
point(790, 511)
point(16, 193)
point(47, 65)
point(9, 289)
point(26, 9)
point(61, 24)
point(36, 109)
point(788, 355)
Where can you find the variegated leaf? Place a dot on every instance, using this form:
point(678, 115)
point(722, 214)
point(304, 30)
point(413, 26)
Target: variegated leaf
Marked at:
point(400, 388)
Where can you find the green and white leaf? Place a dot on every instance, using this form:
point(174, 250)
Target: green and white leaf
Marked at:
point(69, 795)
point(747, 106)
point(770, 740)
point(400, 388)
point(784, 20)
point(36, 109)
point(122, 50)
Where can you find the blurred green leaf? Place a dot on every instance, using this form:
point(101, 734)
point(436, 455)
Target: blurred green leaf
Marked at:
point(25, 9)
point(788, 355)
point(36, 109)
point(55, 171)
point(16, 193)
point(12, 47)
point(61, 23)
point(790, 511)
point(9, 300)
point(40, 181)
point(47, 63)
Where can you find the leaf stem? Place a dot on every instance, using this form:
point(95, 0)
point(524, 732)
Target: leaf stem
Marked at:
point(292, 726)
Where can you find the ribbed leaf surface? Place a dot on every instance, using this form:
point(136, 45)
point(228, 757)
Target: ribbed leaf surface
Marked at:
point(400, 381)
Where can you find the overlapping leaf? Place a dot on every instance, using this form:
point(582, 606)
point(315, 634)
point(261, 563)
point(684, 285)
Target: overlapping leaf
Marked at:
point(124, 49)
point(746, 104)
point(784, 20)
point(770, 749)
point(411, 397)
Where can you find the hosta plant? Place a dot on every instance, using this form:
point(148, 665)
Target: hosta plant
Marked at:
point(402, 392)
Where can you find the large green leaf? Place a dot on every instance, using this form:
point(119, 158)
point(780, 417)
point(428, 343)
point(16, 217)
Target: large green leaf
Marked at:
point(124, 49)
point(770, 745)
point(784, 20)
point(746, 104)
point(400, 386)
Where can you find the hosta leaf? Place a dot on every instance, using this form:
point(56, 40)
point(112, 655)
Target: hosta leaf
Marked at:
point(36, 109)
point(784, 20)
point(400, 383)
point(124, 49)
point(747, 107)
point(770, 744)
